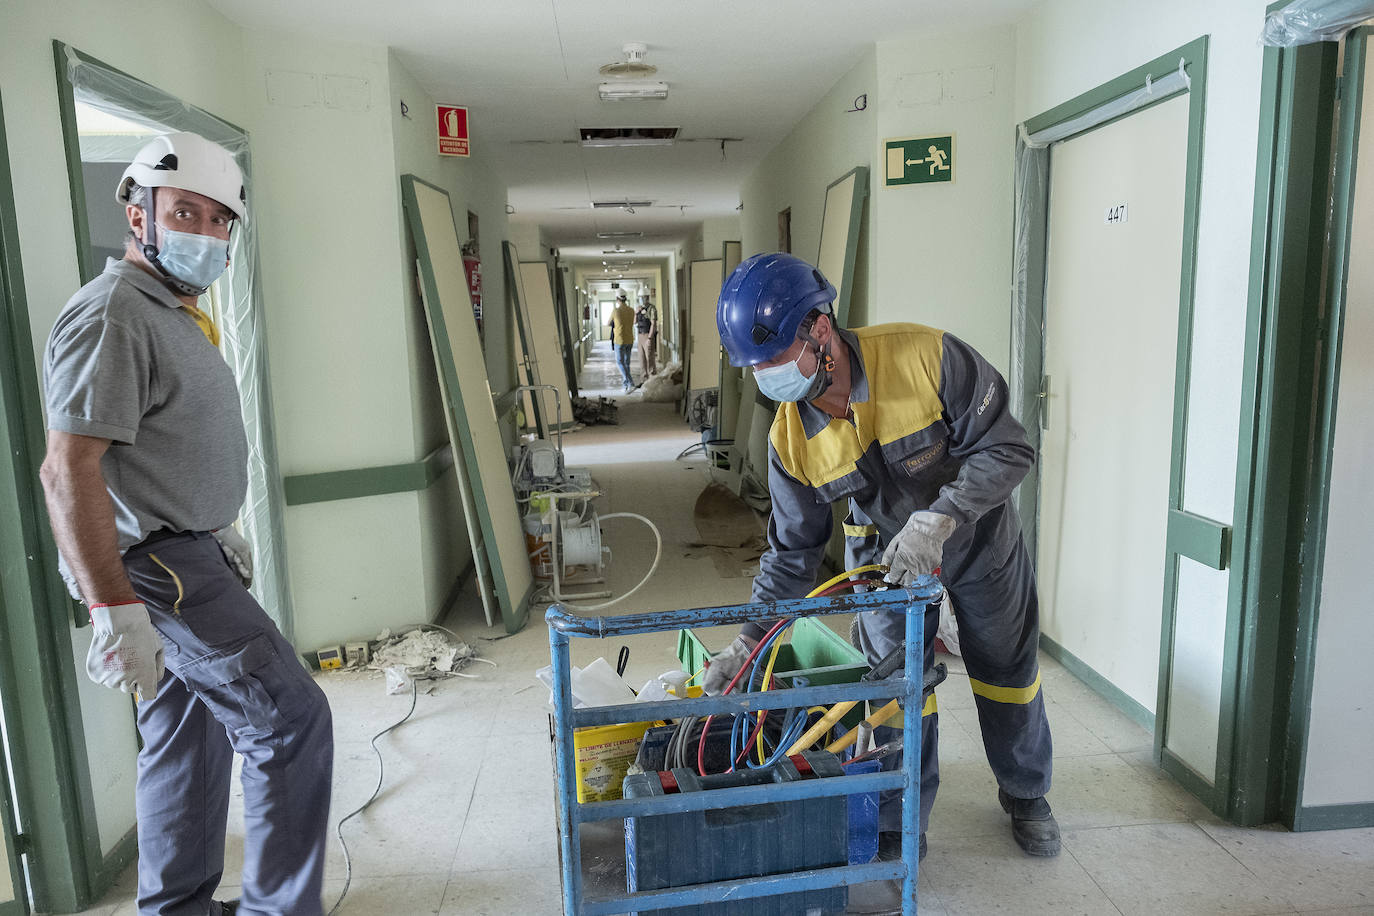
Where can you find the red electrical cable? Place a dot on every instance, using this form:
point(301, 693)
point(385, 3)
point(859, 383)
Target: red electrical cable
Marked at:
point(706, 726)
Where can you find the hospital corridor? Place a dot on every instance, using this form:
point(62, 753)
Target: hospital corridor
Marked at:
point(565, 458)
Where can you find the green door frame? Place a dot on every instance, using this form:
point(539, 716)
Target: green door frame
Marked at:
point(9, 692)
point(1293, 374)
point(271, 583)
point(1189, 535)
point(51, 774)
point(1271, 618)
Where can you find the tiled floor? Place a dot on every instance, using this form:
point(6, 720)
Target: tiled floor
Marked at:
point(465, 824)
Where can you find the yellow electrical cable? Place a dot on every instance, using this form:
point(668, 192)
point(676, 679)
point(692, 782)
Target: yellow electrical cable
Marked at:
point(847, 574)
point(813, 734)
point(849, 737)
point(695, 676)
point(777, 643)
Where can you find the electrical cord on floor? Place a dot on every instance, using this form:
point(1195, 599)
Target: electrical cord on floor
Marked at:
point(658, 552)
point(381, 770)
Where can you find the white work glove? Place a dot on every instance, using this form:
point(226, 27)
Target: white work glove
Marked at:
point(237, 552)
point(725, 664)
point(918, 547)
point(126, 652)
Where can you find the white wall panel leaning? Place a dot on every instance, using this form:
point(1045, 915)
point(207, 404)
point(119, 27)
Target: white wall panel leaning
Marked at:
point(468, 410)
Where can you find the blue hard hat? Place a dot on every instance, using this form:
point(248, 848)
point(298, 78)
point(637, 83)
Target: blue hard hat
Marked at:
point(763, 304)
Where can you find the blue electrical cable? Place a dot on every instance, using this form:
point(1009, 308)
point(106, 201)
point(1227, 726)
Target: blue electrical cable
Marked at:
point(793, 725)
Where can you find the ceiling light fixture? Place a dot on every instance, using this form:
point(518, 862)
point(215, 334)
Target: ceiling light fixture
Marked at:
point(626, 205)
point(620, 235)
point(632, 90)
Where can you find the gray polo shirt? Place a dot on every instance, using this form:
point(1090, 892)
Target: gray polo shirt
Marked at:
point(126, 362)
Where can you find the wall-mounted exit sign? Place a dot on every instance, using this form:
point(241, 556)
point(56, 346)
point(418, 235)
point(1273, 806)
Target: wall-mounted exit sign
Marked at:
point(453, 130)
point(918, 160)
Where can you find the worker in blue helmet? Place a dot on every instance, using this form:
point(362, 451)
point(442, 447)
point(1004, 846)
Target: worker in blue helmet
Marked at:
point(912, 428)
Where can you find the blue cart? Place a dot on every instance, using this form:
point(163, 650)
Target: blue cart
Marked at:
point(563, 625)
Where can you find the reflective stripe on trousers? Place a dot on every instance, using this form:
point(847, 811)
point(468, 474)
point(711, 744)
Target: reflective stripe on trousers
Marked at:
point(998, 617)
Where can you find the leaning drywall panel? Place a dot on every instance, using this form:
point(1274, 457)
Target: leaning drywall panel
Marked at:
point(454, 330)
point(704, 362)
point(840, 235)
point(537, 295)
point(1340, 741)
point(481, 563)
point(527, 368)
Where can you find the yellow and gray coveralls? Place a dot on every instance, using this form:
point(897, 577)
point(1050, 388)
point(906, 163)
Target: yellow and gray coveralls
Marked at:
point(930, 429)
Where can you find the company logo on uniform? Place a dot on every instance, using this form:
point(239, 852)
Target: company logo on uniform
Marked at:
point(924, 459)
point(987, 398)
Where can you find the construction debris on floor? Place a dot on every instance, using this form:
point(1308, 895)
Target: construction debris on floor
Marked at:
point(590, 412)
point(422, 653)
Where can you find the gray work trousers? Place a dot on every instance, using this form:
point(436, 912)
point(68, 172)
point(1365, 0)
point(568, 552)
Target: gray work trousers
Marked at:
point(233, 683)
point(999, 629)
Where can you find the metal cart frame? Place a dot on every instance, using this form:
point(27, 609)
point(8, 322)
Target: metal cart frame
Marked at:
point(563, 625)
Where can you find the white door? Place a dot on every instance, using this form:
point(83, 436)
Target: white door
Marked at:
point(703, 361)
point(1111, 328)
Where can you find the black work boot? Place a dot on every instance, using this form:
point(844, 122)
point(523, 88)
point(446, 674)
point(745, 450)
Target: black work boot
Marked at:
point(890, 846)
point(1032, 824)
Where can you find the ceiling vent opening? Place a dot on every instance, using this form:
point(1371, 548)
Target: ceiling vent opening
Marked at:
point(620, 235)
point(627, 136)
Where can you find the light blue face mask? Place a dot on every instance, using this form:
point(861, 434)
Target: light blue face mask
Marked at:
point(785, 382)
point(196, 260)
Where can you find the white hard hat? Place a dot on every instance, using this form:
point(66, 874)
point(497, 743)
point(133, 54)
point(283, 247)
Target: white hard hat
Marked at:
point(191, 163)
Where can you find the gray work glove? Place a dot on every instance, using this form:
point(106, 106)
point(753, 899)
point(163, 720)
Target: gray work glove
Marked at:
point(237, 552)
point(918, 547)
point(725, 664)
point(126, 652)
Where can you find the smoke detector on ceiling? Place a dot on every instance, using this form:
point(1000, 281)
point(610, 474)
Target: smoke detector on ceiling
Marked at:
point(633, 65)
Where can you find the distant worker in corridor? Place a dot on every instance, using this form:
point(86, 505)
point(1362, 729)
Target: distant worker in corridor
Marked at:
point(646, 336)
point(910, 426)
point(146, 468)
point(623, 337)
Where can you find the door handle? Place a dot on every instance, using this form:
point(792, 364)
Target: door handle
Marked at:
point(1044, 402)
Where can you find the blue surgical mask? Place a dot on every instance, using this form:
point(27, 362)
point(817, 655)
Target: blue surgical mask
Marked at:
point(785, 382)
point(197, 260)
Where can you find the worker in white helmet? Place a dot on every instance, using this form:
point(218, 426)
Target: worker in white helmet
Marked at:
point(146, 470)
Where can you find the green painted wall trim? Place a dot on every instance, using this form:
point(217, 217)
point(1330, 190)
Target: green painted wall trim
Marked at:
point(1334, 817)
point(1099, 685)
point(303, 489)
point(1187, 777)
point(1199, 538)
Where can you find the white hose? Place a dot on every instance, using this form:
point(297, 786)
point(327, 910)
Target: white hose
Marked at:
point(658, 552)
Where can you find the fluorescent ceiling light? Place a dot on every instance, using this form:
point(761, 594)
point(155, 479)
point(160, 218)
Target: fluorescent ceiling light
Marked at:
point(631, 90)
point(620, 204)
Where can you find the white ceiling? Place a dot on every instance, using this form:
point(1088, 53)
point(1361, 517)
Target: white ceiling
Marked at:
point(527, 70)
